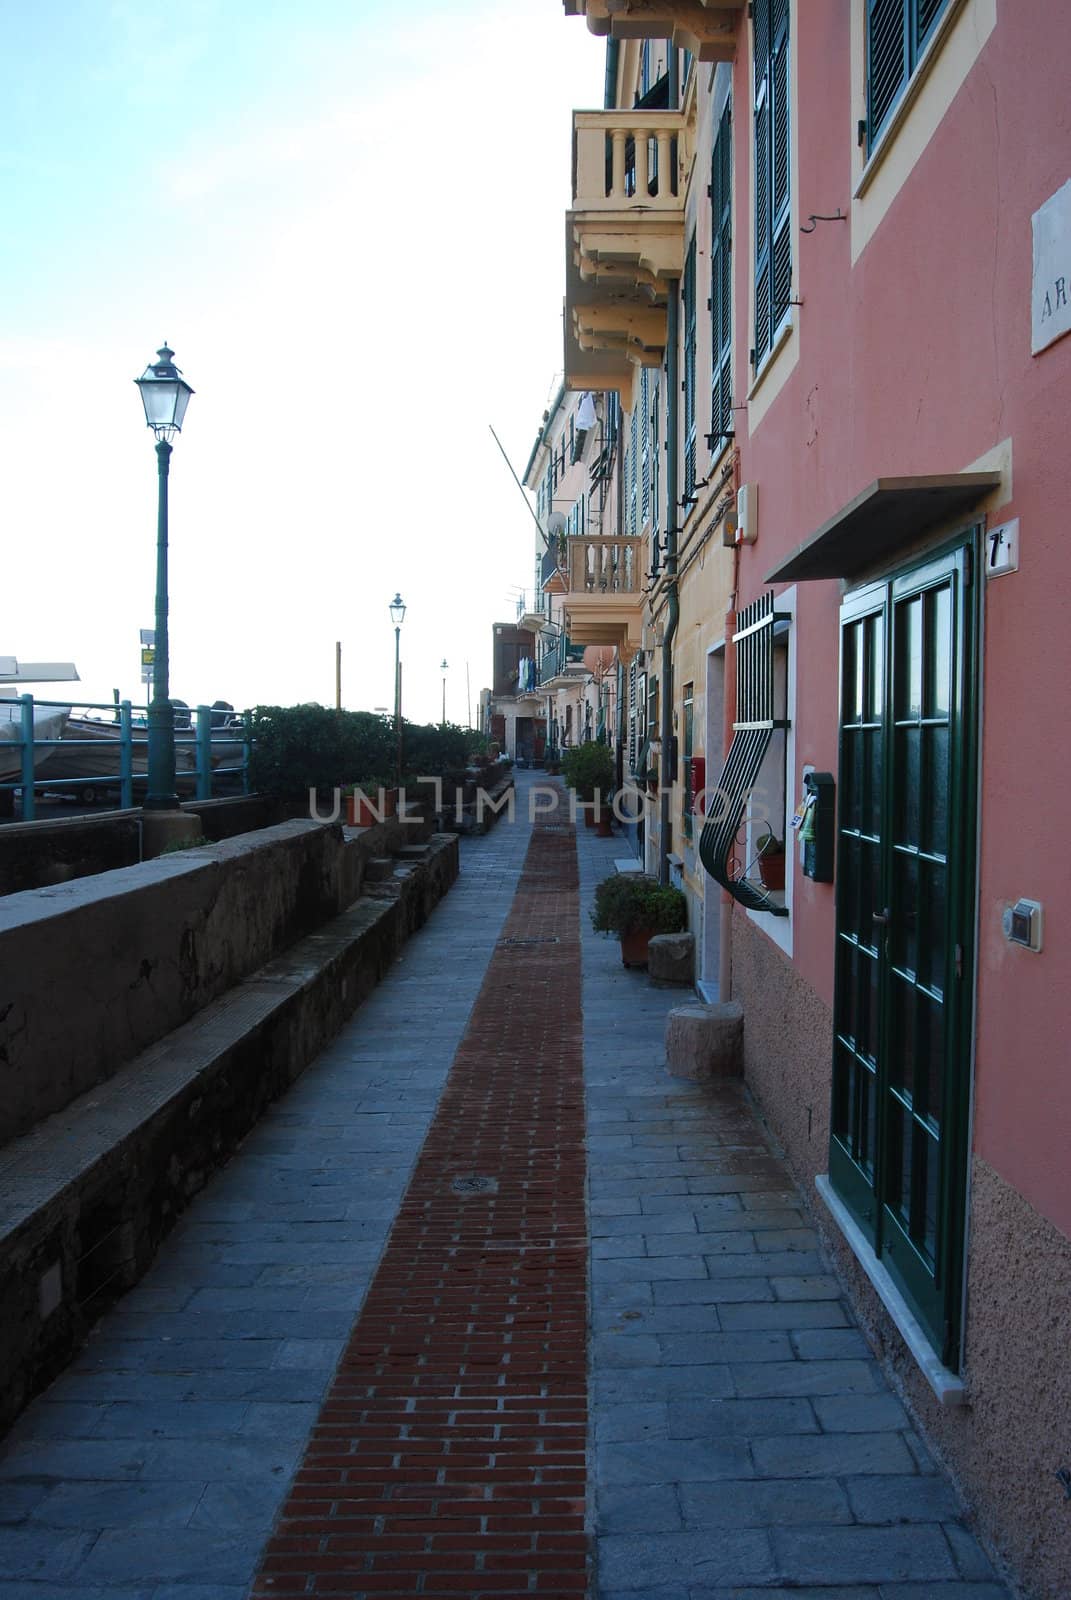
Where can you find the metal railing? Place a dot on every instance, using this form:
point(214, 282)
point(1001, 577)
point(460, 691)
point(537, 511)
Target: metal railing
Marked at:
point(558, 657)
point(210, 745)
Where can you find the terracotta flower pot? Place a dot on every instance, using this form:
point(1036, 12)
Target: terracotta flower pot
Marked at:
point(604, 827)
point(634, 947)
point(772, 870)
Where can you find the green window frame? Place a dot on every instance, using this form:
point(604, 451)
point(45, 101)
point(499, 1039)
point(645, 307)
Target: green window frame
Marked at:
point(721, 284)
point(688, 381)
point(773, 169)
point(897, 33)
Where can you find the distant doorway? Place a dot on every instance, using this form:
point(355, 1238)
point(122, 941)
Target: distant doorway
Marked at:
point(713, 748)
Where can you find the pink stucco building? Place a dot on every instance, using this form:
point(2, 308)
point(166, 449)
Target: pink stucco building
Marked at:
point(837, 234)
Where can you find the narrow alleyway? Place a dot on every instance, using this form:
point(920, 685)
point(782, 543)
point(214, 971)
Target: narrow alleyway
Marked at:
point(358, 1367)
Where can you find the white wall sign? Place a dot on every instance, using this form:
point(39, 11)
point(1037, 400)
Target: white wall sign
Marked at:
point(1051, 292)
point(1002, 549)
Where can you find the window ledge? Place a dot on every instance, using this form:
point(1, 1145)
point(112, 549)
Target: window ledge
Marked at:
point(902, 109)
point(781, 338)
point(948, 1386)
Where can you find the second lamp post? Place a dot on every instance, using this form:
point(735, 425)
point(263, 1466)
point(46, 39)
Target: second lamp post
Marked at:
point(397, 616)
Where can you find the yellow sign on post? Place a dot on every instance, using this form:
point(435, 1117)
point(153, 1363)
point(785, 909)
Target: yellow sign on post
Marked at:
point(148, 655)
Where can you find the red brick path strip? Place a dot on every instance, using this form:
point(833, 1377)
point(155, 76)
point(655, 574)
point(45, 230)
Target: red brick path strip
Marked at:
point(449, 1457)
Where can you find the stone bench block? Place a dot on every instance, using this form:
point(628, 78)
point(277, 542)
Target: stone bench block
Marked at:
point(706, 1041)
point(671, 958)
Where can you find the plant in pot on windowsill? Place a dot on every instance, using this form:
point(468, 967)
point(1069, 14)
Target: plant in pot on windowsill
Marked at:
point(636, 907)
point(589, 769)
point(770, 851)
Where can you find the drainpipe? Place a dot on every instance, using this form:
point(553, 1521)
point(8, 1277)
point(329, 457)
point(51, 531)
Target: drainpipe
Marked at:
point(670, 567)
point(725, 927)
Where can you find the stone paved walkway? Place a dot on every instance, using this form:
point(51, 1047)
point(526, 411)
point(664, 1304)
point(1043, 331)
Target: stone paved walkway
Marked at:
point(743, 1442)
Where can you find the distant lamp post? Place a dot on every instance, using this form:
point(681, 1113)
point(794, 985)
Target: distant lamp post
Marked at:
point(165, 395)
point(443, 668)
point(397, 616)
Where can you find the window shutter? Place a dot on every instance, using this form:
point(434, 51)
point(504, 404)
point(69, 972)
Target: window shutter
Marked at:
point(773, 199)
point(721, 282)
point(928, 12)
point(633, 462)
point(645, 447)
point(886, 59)
point(689, 369)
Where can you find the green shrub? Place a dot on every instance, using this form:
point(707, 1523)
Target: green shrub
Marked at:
point(626, 901)
point(298, 748)
point(587, 768)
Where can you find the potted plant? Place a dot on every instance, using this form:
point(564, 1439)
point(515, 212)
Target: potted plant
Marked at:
point(771, 857)
point(369, 801)
point(636, 907)
point(589, 769)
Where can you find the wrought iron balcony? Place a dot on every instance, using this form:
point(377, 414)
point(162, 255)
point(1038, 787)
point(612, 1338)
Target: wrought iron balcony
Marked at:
point(561, 660)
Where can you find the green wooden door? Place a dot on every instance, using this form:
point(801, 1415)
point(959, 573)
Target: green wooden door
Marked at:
point(904, 915)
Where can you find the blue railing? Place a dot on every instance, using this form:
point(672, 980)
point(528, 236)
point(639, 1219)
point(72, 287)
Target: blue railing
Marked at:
point(210, 745)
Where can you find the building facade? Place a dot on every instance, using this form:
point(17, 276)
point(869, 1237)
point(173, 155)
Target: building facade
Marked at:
point(820, 253)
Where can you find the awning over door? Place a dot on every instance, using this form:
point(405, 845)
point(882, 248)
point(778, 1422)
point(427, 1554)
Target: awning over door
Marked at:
point(890, 514)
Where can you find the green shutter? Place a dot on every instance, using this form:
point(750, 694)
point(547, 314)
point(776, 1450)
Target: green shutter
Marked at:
point(773, 169)
point(721, 415)
point(897, 32)
point(688, 295)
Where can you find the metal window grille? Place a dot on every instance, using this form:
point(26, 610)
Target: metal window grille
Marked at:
point(752, 733)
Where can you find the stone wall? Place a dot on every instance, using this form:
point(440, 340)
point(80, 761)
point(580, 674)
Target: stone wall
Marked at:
point(93, 971)
point(51, 850)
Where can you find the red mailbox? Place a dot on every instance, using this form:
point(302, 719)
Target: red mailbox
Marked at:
point(697, 782)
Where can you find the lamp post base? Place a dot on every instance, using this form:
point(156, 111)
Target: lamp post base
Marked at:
point(162, 830)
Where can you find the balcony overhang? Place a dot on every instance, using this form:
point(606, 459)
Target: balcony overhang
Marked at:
point(889, 515)
point(607, 620)
point(624, 244)
point(708, 30)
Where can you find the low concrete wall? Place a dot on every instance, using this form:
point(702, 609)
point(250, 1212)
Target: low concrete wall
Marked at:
point(88, 1196)
point(93, 971)
point(38, 855)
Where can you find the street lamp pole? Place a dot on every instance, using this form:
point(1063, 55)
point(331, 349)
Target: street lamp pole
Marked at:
point(397, 616)
point(442, 669)
point(165, 395)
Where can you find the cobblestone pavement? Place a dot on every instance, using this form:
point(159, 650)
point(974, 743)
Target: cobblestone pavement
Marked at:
point(743, 1441)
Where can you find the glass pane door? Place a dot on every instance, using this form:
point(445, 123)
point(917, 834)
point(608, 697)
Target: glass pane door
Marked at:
point(903, 914)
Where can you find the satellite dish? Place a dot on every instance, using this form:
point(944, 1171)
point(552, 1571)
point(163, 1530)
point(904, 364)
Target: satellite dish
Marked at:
point(556, 526)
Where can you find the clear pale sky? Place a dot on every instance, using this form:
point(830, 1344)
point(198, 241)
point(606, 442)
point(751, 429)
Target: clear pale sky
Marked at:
point(348, 221)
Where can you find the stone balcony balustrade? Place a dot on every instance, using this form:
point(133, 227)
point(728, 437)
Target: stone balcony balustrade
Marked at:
point(604, 604)
point(624, 243)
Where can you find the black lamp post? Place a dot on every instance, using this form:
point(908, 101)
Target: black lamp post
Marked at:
point(442, 669)
point(165, 395)
point(397, 616)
